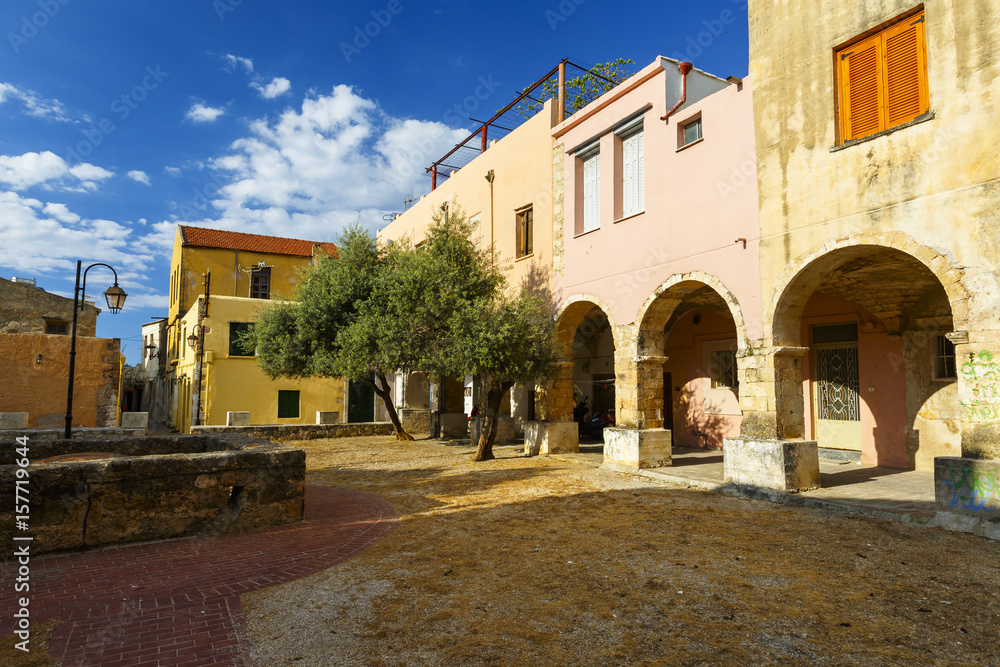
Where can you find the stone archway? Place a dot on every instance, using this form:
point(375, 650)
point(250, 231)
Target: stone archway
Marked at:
point(862, 350)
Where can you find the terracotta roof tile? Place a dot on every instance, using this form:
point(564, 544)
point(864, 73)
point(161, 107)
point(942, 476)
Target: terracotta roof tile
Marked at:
point(201, 237)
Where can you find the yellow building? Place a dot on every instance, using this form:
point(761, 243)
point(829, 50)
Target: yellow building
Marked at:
point(246, 271)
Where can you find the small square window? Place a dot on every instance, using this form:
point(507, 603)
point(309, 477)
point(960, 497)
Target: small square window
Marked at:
point(691, 132)
point(288, 405)
point(525, 232)
point(944, 359)
point(237, 344)
point(57, 328)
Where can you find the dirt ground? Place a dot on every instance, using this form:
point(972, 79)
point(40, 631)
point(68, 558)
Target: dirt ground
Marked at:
point(538, 561)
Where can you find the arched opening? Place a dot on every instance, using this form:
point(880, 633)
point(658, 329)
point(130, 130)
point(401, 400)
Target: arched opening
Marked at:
point(701, 379)
point(878, 373)
point(593, 377)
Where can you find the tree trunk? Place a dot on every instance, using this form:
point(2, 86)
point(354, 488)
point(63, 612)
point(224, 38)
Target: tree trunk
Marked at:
point(491, 419)
point(386, 396)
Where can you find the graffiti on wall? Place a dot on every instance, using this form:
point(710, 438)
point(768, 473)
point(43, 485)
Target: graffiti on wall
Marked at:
point(977, 490)
point(982, 380)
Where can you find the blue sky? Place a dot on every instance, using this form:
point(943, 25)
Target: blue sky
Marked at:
point(119, 121)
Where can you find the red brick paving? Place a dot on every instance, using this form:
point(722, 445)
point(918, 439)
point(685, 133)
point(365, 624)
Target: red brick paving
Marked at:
point(177, 602)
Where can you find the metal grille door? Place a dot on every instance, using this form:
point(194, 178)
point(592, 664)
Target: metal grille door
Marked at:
point(838, 384)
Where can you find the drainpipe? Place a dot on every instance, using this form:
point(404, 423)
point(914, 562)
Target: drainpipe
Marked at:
point(685, 69)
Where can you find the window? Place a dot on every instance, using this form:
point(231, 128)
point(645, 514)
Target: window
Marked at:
point(882, 79)
point(690, 132)
point(525, 218)
point(633, 175)
point(58, 327)
point(724, 375)
point(288, 404)
point(260, 283)
point(591, 192)
point(944, 359)
point(237, 347)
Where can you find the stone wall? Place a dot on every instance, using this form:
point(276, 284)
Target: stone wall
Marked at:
point(34, 377)
point(25, 309)
point(285, 432)
point(153, 488)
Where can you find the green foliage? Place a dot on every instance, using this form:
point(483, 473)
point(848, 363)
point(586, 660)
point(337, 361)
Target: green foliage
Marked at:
point(580, 90)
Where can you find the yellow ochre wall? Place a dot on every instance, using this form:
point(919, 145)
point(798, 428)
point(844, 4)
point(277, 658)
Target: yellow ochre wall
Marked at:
point(236, 383)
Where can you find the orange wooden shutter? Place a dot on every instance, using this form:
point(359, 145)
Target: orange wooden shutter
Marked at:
point(906, 71)
point(862, 99)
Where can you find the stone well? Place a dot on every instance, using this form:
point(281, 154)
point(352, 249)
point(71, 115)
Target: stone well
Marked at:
point(91, 492)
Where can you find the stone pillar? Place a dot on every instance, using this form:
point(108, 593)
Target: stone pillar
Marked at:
point(771, 392)
point(978, 367)
point(556, 432)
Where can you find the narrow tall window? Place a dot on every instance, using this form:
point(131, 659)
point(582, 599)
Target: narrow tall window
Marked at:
point(633, 175)
point(882, 79)
point(525, 232)
point(592, 193)
point(260, 283)
point(944, 359)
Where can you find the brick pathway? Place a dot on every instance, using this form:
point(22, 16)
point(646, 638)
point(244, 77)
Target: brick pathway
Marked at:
point(177, 602)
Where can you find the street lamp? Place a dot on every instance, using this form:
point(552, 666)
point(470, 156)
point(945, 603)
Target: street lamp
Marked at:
point(115, 296)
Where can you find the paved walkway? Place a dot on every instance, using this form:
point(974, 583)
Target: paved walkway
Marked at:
point(177, 602)
point(870, 489)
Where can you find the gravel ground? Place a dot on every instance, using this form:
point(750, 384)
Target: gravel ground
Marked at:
point(535, 561)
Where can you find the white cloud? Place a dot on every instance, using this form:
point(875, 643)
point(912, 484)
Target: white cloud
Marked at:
point(173, 171)
point(23, 171)
point(139, 176)
point(45, 238)
point(231, 62)
point(199, 113)
point(36, 105)
point(310, 171)
point(278, 87)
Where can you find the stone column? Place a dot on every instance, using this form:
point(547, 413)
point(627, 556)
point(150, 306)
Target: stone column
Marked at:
point(556, 432)
point(638, 439)
point(770, 452)
point(978, 366)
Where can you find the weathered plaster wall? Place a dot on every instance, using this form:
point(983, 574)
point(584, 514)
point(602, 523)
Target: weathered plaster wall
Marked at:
point(40, 388)
point(24, 309)
point(930, 189)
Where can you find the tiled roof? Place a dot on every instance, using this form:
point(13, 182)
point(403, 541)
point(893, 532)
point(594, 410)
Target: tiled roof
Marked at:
point(201, 237)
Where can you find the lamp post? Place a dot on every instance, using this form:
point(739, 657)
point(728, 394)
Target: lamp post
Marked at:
point(115, 297)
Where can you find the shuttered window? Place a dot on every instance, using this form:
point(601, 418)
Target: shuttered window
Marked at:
point(883, 79)
point(633, 195)
point(592, 193)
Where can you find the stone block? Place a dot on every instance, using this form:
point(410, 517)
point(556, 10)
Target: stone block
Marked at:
point(136, 420)
point(551, 438)
point(783, 465)
point(324, 417)
point(454, 425)
point(967, 495)
point(415, 420)
point(237, 419)
point(13, 421)
point(633, 449)
point(505, 430)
